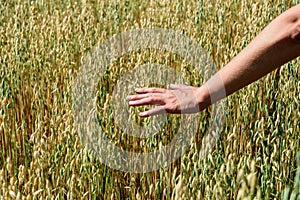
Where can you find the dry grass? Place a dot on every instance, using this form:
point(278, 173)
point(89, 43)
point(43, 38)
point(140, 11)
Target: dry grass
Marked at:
point(42, 157)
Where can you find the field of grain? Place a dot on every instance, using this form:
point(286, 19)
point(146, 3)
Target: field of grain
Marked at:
point(42, 45)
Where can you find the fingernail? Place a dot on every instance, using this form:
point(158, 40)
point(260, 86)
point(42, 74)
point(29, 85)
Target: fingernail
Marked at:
point(128, 98)
point(143, 114)
point(137, 89)
point(171, 86)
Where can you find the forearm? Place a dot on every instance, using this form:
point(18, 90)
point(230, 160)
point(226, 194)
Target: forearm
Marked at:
point(277, 44)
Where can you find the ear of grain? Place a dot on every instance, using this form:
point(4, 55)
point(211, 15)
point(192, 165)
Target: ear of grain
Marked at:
point(42, 44)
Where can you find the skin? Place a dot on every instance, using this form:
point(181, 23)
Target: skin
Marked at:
point(276, 45)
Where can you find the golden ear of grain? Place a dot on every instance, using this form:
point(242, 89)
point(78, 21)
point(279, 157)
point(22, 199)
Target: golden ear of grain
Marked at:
point(42, 49)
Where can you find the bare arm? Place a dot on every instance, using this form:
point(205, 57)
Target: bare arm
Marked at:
point(277, 44)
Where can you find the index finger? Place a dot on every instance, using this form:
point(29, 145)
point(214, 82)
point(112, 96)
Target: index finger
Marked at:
point(149, 90)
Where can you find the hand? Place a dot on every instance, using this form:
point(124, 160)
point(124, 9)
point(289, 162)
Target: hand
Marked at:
point(179, 99)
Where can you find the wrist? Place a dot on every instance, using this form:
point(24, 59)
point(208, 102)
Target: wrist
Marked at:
point(203, 97)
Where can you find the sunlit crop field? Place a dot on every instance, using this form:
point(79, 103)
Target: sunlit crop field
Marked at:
point(42, 46)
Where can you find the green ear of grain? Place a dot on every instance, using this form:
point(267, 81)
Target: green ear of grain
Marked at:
point(42, 45)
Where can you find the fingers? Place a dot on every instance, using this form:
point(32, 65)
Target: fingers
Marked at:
point(142, 102)
point(145, 99)
point(155, 111)
point(146, 96)
point(149, 96)
point(149, 90)
point(136, 97)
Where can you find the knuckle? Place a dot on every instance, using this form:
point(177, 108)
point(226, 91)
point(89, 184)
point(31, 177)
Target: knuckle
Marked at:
point(155, 90)
point(158, 90)
point(150, 99)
